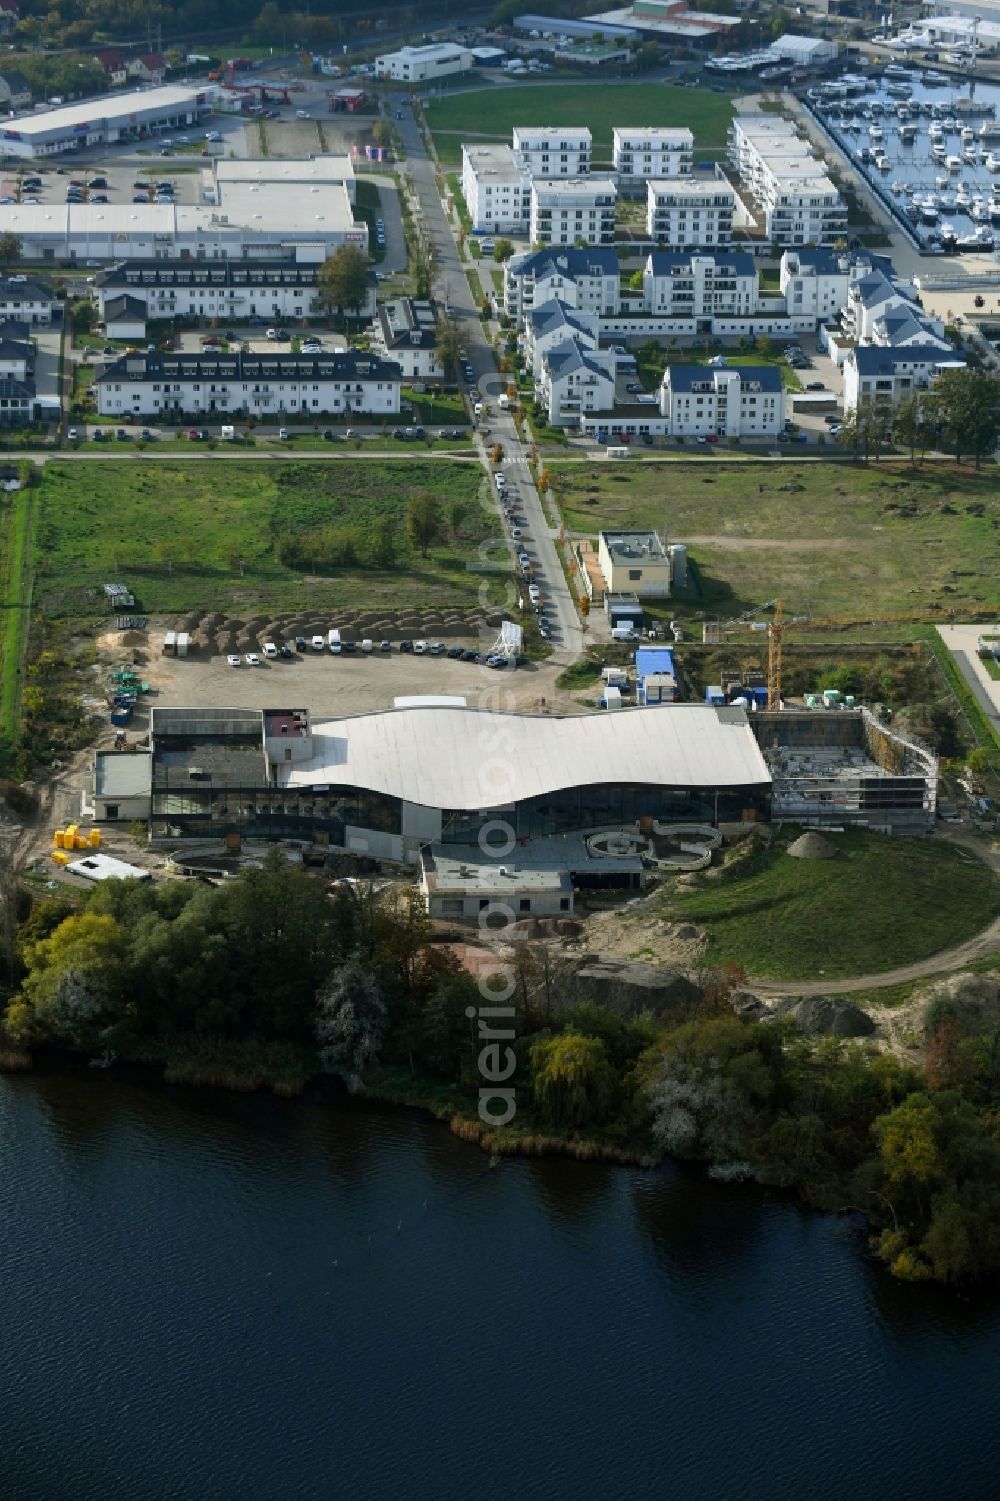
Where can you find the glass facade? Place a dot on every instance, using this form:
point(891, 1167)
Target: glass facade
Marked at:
point(608, 804)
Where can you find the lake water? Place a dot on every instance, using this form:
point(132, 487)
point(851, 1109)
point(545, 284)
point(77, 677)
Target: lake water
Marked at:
point(965, 195)
point(209, 1297)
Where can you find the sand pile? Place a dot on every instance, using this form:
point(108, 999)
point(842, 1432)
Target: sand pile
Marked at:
point(811, 846)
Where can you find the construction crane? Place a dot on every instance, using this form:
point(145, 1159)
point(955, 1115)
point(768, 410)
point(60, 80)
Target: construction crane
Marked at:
point(714, 632)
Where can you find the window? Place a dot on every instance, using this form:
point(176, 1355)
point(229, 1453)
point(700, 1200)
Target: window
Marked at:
point(111, 810)
point(524, 905)
point(564, 904)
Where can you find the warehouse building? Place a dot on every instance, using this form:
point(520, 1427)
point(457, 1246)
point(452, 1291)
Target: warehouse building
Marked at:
point(257, 385)
point(424, 64)
point(105, 122)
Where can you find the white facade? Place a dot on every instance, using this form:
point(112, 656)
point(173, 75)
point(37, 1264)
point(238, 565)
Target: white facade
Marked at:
point(681, 212)
point(804, 51)
point(586, 279)
point(570, 210)
point(728, 401)
point(797, 201)
point(25, 301)
point(575, 381)
point(292, 386)
point(424, 64)
point(104, 122)
point(889, 376)
point(496, 187)
point(642, 152)
point(700, 286)
point(230, 290)
point(814, 283)
point(550, 325)
point(554, 150)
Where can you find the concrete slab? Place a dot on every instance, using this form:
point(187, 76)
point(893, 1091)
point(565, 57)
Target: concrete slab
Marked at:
point(961, 642)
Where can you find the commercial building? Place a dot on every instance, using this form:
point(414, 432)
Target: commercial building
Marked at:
point(655, 676)
point(105, 121)
point(585, 278)
point(804, 51)
point(496, 187)
point(573, 211)
point(229, 290)
point(119, 787)
point(548, 27)
point(554, 150)
point(389, 784)
point(424, 64)
point(650, 151)
point(796, 201)
point(313, 174)
point(259, 385)
point(670, 21)
point(405, 332)
point(681, 211)
point(699, 285)
point(635, 562)
point(727, 401)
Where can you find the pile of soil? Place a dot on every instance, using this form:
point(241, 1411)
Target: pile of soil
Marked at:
point(811, 846)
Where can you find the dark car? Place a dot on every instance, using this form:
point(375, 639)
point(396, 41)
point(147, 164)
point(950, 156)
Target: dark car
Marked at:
point(97, 182)
point(123, 436)
point(300, 643)
point(349, 646)
point(418, 432)
point(406, 646)
point(399, 434)
point(816, 385)
point(147, 435)
point(203, 434)
point(470, 656)
point(330, 435)
point(455, 651)
point(286, 652)
point(281, 333)
point(385, 646)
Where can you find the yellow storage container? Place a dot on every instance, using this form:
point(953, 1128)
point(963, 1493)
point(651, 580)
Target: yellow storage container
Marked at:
point(71, 832)
point(60, 857)
point(94, 839)
point(57, 838)
point(79, 843)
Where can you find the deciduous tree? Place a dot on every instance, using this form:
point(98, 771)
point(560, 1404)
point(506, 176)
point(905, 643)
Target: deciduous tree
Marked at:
point(343, 280)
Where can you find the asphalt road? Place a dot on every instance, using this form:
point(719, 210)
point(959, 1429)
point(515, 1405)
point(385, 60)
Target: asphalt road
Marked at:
point(451, 285)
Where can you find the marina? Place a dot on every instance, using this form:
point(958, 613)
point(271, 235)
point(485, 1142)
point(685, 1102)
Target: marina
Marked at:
point(939, 144)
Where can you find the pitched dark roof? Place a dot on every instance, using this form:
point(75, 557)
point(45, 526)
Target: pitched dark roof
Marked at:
point(686, 377)
point(131, 309)
point(348, 366)
point(677, 263)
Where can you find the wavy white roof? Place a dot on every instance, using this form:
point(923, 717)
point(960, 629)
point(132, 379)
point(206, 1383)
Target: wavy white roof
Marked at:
point(475, 758)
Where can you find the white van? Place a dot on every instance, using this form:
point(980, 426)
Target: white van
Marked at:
point(624, 633)
point(367, 645)
point(503, 403)
point(333, 641)
point(477, 410)
point(317, 643)
point(618, 453)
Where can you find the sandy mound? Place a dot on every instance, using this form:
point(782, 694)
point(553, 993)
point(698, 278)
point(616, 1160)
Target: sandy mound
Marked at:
point(811, 846)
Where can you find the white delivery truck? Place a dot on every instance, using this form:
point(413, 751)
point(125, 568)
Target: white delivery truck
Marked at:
point(334, 643)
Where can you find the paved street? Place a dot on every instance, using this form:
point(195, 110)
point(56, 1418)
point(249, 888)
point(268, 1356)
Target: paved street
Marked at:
point(452, 286)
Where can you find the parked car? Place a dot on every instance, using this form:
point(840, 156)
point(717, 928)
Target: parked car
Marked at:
point(270, 650)
point(469, 655)
point(233, 659)
point(283, 433)
point(455, 651)
point(300, 643)
point(419, 648)
point(123, 436)
point(436, 648)
point(406, 646)
point(319, 643)
point(252, 659)
point(285, 652)
point(385, 646)
point(98, 435)
point(816, 385)
point(330, 435)
point(72, 435)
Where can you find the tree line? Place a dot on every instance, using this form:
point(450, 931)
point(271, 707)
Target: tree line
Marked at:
point(961, 413)
point(273, 965)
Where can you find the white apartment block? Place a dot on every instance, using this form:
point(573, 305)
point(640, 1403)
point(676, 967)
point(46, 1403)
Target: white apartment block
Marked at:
point(233, 291)
point(257, 385)
point(573, 210)
point(424, 64)
point(814, 282)
point(574, 382)
point(642, 152)
point(729, 401)
point(792, 193)
point(554, 150)
point(587, 279)
point(496, 187)
point(889, 376)
point(700, 286)
point(552, 324)
point(682, 212)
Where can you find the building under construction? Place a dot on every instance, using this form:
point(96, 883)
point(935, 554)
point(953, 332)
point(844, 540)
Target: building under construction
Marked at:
point(840, 766)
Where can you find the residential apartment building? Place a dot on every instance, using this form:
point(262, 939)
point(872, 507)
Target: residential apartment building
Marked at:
point(814, 282)
point(729, 401)
point(406, 331)
point(575, 381)
point(700, 285)
point(552, 324)
point(424, 64)
point(889, 376)
point(496, 187)
point(585, 278)
point(794, 197)
point(681, 212)
point(231, 290)
point(573, 210)
point(643, 152)
point(554, 150)
point(257, 385)
point(27, 301)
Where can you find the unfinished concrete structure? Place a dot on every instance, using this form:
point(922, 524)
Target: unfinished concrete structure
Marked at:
point(834, 767)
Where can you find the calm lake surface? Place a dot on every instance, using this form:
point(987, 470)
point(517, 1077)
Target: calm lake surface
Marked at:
point(213, 1296)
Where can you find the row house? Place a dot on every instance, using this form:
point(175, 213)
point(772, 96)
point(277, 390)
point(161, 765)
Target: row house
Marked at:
point(257, 385)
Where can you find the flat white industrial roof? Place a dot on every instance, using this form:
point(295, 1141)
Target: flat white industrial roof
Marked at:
point(283, 206)
point(95, 111)
point(275, 205)
point(476, 759)
point(97, 867)
point(318, 169)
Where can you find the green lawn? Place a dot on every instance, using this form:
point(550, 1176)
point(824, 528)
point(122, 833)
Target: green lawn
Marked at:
point(188, 536)
point(828, 538)
point(652, 359)
point(15, 520)
point(880, 903)
point(492, 113)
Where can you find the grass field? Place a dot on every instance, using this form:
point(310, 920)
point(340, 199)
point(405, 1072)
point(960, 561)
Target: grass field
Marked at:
point(491, 114)
point(15, 522)
point(830, 539)
point(189, 536)
point(788, 919)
